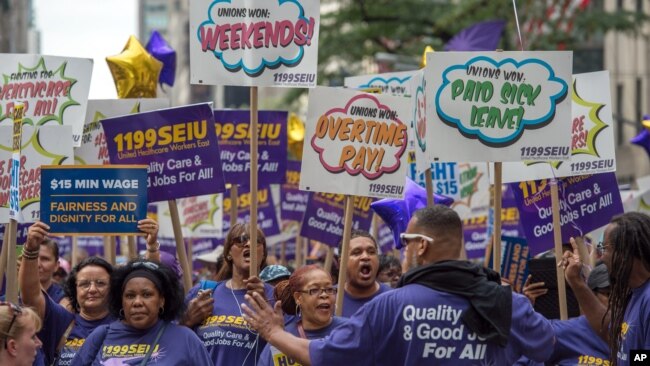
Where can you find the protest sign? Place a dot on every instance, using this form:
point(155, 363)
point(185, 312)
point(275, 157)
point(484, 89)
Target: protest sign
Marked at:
point(270, 43)
point(385, 238)
point(498, 106)
point(587, 202)
point(232, 128)
point(323, 220)
point(293, 201)
point(418, 132)
point(93, 149)
point(45, 145)
point(592, 135)
point(178, 145)
point(355, 143)
point(466, 183)
point(93, 200)
point(477, 232)
point(53, 89)
point(514, 264)
point(201, 216)
point(394, 83)
point(266, 214)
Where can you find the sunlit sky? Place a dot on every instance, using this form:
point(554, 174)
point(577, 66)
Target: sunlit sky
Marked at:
point(87, 28)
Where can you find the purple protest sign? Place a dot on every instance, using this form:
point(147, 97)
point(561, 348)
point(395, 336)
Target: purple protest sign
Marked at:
point(587, 202)
point(475, 229)
point(293, 201)
point(234, 141)
point(385, 237)
point(176, 143)
point(323, 220)
point(267, 219)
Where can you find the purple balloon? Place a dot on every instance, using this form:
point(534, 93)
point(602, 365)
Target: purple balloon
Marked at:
point(643, 140)
point(396, 212)
point(163, 52)
point(483, 36)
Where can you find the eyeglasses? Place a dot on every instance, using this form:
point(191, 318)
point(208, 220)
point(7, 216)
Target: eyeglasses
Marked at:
point(99, 284)
point(600, 247)
point(151, 265)
point(318, 291)
point(244, 238)
point(16, 311)
point(405, 238)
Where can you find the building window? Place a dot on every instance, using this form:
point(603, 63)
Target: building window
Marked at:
point(639, 6)
point(619, 5)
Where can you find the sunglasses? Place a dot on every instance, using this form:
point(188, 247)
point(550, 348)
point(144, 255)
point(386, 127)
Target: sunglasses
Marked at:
point(244, 238)
point(16, 311)
point(152, 266)
point(600, 247)
point(406, 238)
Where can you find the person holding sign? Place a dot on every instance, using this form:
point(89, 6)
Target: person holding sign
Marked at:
point(625, 250)
point(577, 343)
point(147, 298)
point(444, 312)
point(215, 312)
point(87, 287)
point(361, 285)
point(310, 295)
point(18, 327)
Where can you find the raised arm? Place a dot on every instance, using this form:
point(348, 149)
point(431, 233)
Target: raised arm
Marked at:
point(30, 286)
point(593, 310)
point(269, 324)
point(150, 227)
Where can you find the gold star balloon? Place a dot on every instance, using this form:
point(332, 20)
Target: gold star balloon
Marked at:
point(135, 71)
point(296, 136)
point(646, 122)
point(423, 61)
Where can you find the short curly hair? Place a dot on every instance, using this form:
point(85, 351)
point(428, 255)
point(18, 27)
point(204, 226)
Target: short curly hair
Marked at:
point(70, 284)
point(171, 288)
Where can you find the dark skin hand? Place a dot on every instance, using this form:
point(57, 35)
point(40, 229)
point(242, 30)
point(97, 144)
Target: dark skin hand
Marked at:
point(533, 290)
point(198, 309)
point(254, 284)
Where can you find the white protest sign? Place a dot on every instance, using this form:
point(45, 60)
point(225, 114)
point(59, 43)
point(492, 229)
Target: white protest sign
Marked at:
point(201, 216)
point(53, 89)
point(355, 143)
point(498, 106)
point(93, 149)
point(254, 43)
point(45, 145)
point(592, 135)
point(394, 83)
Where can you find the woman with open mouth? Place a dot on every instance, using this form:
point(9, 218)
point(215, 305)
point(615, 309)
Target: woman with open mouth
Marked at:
point(215, 313)
point(310, 295)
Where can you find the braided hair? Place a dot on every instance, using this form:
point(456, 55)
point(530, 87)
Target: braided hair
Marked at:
point(630, 239)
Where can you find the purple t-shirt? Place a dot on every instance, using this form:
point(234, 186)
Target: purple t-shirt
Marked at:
point(122, 344)
point(635, 331)
point(271, 356)
point(56, 292)
point(225, 334)
point(55, 323)
point(416, 325)
point(352, 304)
point(576, 344)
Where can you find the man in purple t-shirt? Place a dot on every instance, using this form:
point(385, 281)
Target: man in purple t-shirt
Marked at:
point(361, 283)
point(625, 323)
point(444, 312)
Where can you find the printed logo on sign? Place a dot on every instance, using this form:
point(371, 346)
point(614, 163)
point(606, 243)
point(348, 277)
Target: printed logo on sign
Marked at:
point(420, 116)
point(495, 101)
point(49, 91)
point(233, 28)
point(375, 136)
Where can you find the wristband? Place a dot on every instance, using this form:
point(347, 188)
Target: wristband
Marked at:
point(153, 250)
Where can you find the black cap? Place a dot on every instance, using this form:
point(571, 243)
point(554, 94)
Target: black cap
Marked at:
point(598, 278)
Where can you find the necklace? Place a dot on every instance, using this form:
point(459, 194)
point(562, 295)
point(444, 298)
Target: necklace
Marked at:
point(239, 306)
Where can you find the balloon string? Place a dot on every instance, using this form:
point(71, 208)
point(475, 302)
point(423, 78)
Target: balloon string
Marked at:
point(521, 41)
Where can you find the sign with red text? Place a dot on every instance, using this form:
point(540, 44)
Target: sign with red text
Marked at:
point(355, 143)
point(201, 216)
point(45, 145)
point(498, 106)
point(263, 43)
point(93, 149)
point(53, 89)
point(592, 135)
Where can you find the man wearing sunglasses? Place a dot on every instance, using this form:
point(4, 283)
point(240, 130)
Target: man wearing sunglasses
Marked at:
point(443, 312)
